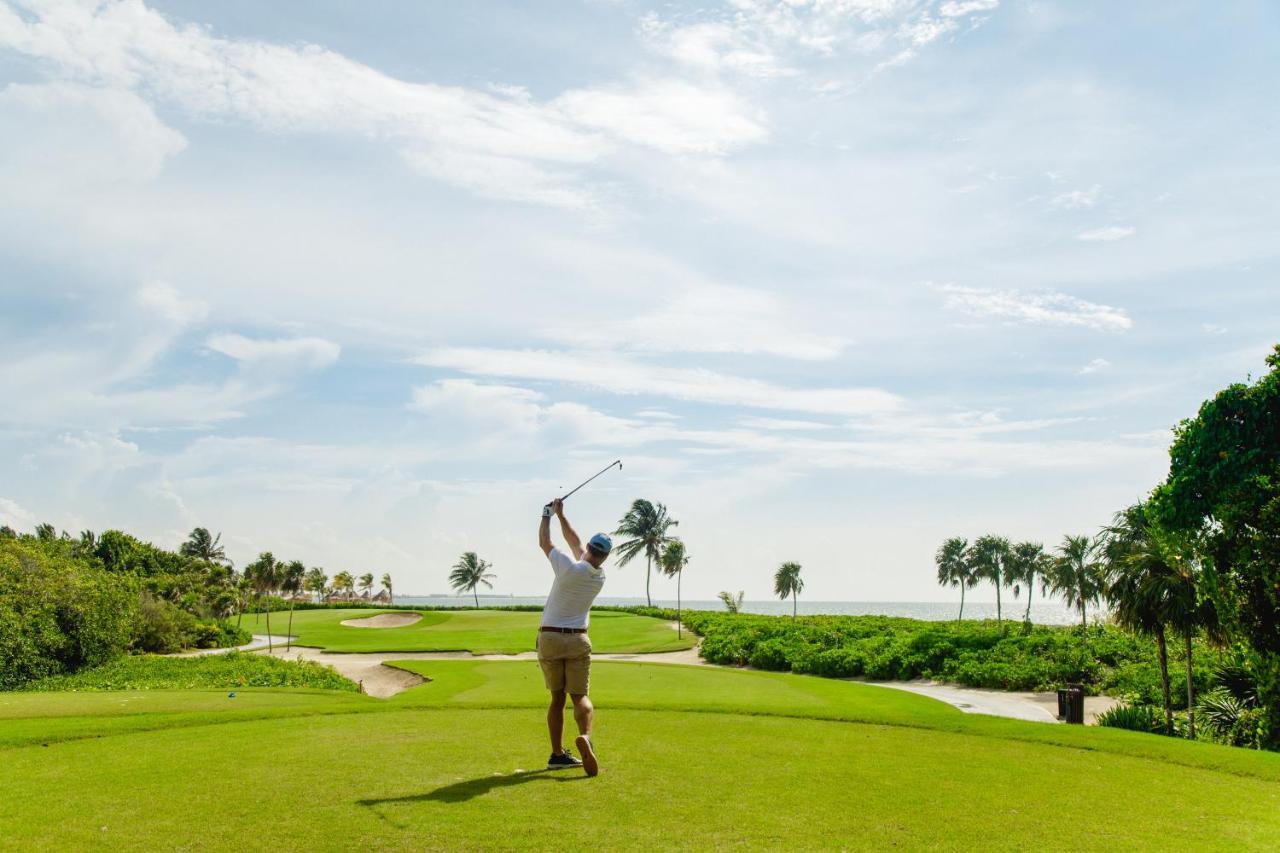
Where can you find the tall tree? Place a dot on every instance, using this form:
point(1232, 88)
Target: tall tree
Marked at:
point(316, 582)
point(673, 561)
point(987, 556)
point(344, 583)
point(292, 575)
point(264, 574)
point(1135, 566)
point(787, 582)
point(202, 546)
point(386, 584)
point(468, 573)
point(954, 569)
point(366, 584)
point(1027, 564)
point(647, 524)
point(7, 532)
point(1077, 574)
point(46, 532)
point(1223, 493)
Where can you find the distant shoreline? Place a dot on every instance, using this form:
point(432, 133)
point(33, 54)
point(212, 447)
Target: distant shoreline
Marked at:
point(1050, 613)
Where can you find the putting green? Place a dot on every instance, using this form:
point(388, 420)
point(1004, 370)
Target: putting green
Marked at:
point(478, 631)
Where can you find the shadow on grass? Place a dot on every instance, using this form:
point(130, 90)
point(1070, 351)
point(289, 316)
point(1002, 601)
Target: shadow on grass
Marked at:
point(460, 792)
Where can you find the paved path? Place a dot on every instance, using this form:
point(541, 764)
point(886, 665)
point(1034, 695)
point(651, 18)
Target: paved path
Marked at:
point(258, 640)
point(1037, 707)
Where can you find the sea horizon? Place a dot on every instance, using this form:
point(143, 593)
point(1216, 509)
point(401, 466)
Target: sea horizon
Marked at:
point(1049, 613)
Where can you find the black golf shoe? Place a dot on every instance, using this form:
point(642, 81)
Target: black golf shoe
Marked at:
point(563, 761)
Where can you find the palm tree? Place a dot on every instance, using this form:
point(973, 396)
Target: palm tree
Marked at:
point(988, 556)
point(264, 574)
point(46, 532)
point(202, 546)
point(315, 582)
point(1077, 574)
point(386, 584)
point(343, 583)
point(7, 532)
point(366, 584)
point(468, 573)
point(291, 577)
point(954, 569)
point(673, 562)
point(647, 525)
point(787, 582)
point(243, 585)
point(1027, 563)
point(732, 604)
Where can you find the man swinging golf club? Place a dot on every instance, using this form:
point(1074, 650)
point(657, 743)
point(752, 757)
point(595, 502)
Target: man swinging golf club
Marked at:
point(564, 649)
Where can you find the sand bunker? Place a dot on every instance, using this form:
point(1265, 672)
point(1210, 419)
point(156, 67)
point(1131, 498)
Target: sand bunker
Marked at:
point(383, 620)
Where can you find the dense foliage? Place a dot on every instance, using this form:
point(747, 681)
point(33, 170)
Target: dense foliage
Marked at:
point(221, 671)
point(1223, 490)
point(58, 613)
point(68, 604)
point(882, 648)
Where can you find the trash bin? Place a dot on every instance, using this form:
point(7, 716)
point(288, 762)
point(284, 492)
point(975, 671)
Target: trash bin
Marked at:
point(1071, 703)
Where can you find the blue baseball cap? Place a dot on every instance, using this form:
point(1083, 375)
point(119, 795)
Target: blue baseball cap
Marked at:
point(601, 543)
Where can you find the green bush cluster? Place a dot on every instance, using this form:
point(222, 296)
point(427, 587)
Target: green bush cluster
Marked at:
point(63, 609)
point(218, 671)
point(58, 614)
point(974, 653)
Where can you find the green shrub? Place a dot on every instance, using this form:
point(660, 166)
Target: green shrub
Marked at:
point(1137, 718)
point(218, 671)
point(57, 613)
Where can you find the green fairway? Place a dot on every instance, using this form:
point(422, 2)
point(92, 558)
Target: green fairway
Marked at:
point(693, 757)
point(478, 631)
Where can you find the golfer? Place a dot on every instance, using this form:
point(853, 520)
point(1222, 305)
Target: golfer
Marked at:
point(564, 649)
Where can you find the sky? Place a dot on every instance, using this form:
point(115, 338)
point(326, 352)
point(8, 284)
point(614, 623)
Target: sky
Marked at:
point(366, 284)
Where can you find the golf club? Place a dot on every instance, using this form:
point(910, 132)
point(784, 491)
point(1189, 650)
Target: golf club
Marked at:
point(617, 462)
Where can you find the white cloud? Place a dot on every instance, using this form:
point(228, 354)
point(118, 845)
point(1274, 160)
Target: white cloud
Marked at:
point(1095, 366)
point(960, 8)
point(763, 38)
point(16, 516)
point(302, 353)
point(1213, 329)
point(622, 375)
point(1076, 199)
point(164, 300)
point(713, 319)
point(497, 142)
point(1108, 234)
point(783, 424)
point(1042, 308)
point(70, 134)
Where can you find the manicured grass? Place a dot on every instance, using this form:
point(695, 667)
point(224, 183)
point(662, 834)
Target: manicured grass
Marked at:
point(478, 631)
point(693, 758)
point(418, 779)
point(230, 670)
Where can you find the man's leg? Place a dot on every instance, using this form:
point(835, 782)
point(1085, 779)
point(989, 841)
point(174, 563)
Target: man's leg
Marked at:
point(584, 713)
point(555, 721)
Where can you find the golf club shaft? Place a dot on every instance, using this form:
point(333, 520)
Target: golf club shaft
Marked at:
point(617, 462)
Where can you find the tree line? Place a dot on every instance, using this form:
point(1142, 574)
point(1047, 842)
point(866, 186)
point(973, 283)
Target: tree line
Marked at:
point(1198, 557)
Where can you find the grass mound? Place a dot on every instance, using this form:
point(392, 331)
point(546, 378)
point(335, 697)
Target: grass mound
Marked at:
point(229, 670)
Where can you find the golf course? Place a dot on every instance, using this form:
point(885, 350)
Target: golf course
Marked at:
point(692, 757)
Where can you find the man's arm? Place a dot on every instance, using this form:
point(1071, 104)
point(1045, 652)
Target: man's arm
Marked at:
point(570, 535)
point(544, 534)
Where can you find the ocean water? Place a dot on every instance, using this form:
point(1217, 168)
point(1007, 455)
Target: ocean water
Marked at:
point(1048, 613)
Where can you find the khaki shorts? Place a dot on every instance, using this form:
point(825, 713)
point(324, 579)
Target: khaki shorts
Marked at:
point(566, 661)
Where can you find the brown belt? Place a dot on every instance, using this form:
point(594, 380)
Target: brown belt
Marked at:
point(563, 630)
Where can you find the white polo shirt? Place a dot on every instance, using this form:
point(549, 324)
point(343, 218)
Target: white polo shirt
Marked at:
point(576, 586)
